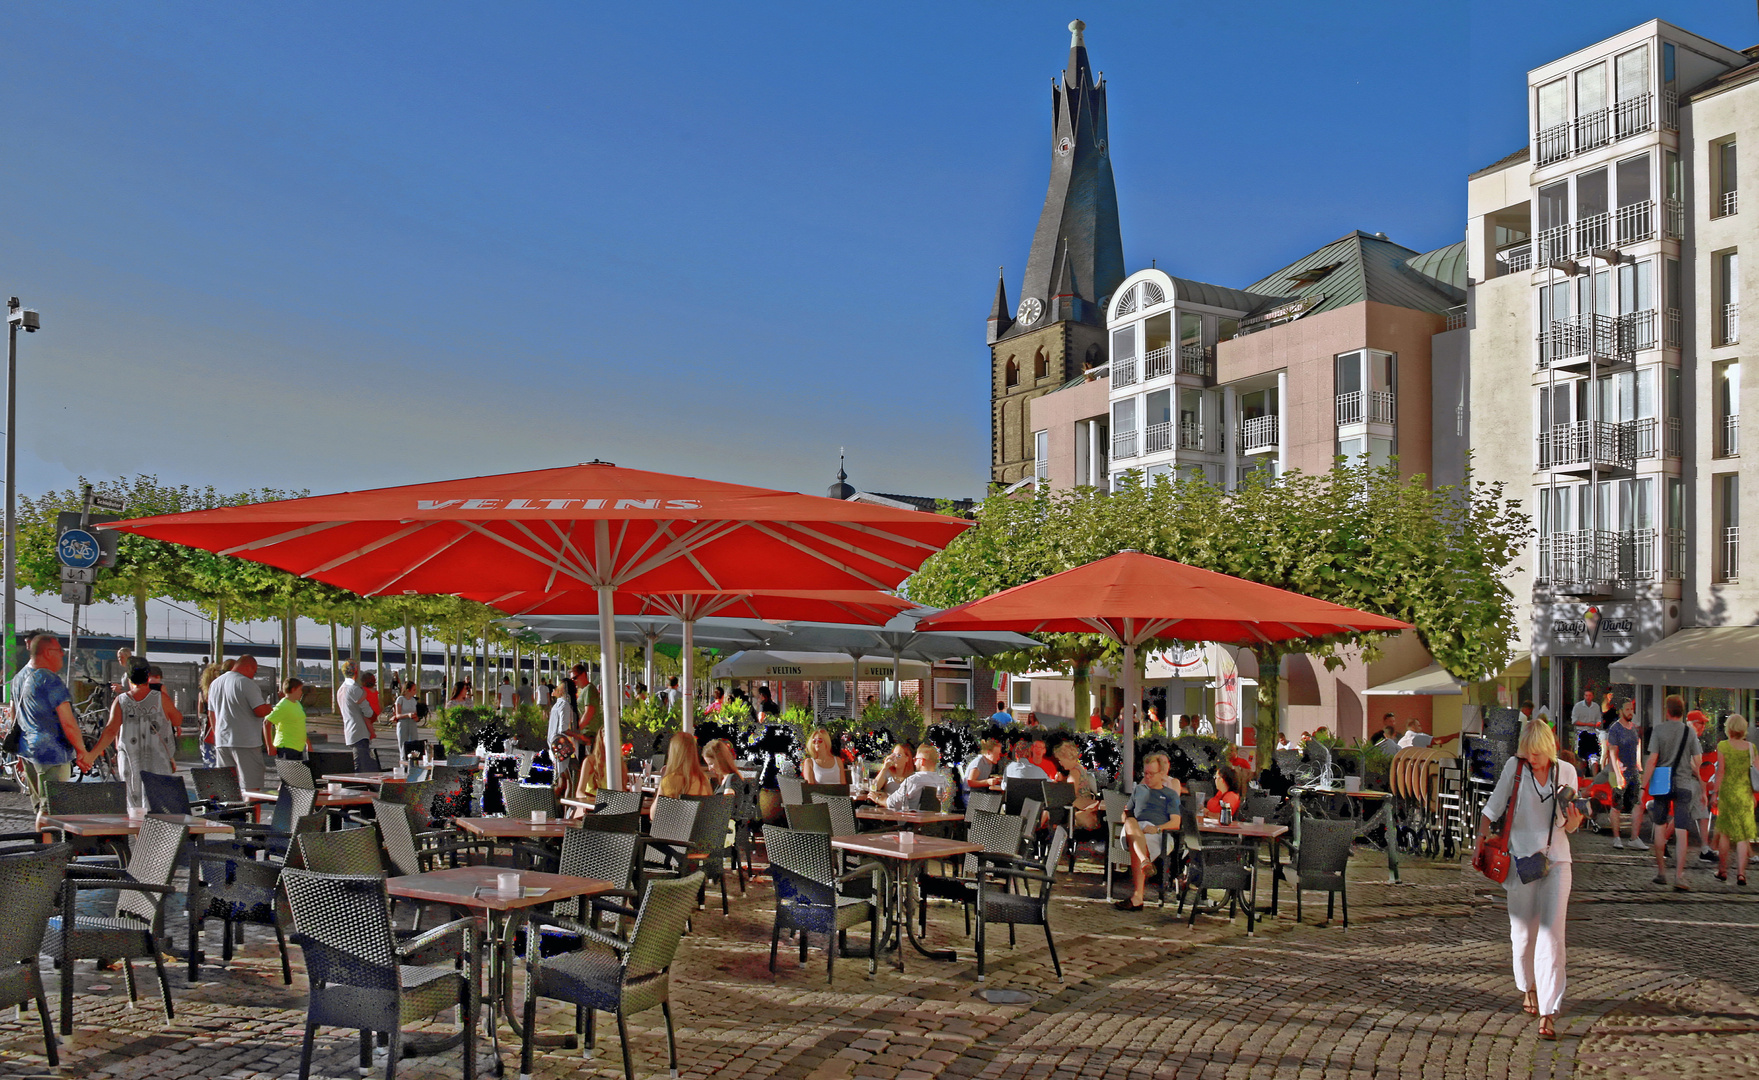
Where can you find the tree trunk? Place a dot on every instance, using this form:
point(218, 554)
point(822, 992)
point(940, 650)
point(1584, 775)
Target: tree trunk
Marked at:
point(140, 619)
point(355, 652)
point(335, 667)
point(219, 629)
point(1083, 695)
point(290, 641)
point(1266, 722)
point(411, 655)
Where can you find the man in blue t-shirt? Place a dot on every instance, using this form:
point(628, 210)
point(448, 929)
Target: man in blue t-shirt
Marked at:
point(49, 739)
point(1625, 743)
point(1001, 716)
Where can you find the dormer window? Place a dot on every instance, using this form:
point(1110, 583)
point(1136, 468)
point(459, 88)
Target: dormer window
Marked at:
point(1312, 275)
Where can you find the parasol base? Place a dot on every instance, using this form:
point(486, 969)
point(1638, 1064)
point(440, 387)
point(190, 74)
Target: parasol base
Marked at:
point(1006, 997)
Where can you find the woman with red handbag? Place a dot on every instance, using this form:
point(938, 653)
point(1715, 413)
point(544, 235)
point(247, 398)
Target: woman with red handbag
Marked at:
point(1538, 792)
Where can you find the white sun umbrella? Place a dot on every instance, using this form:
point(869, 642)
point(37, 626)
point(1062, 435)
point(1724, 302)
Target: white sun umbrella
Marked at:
point(787, 664)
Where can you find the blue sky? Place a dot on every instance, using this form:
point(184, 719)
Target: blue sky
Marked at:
point(341, 246)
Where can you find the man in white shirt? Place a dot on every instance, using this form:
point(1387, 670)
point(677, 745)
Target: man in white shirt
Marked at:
point(357, 718)
point(507, 695)
point(1585, 718)
point(239, 706)
point(927, 776)
point(1413, 736)
point(1022, 768)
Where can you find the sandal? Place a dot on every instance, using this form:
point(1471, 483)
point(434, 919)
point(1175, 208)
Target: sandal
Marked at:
point(1721, 877)
point(1659, 880)
point(1547, 1030)
point(1680, 886)
point(1741, 880)
point(1530, 1003)
point(1125, 905)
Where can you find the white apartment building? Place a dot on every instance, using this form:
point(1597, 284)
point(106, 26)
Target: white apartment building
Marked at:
point(1602, 381)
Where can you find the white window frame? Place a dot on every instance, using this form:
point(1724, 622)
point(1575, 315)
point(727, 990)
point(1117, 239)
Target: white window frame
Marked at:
point(940, 703)
point(1015, 688)
point(836, 694)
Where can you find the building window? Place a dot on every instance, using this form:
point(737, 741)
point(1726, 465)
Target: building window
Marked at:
point(1726, 313)
point(1675, 538)
point(1124, 370)
point(1039, 366)
point(836, 693)
point(952, 693)
point(1157, 356)
point(1124, 429)
point(1158, 422)
point(1012, 377)
point(1041, 456)
point(1364, 387)
point(1728, 530)
point(1019, 693)
point(1725, 393)
point(1724, 179)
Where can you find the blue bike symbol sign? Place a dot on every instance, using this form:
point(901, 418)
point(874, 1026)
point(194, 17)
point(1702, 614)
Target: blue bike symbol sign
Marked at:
point(78, 548)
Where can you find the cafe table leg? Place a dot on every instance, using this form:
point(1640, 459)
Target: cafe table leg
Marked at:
point(909, 902)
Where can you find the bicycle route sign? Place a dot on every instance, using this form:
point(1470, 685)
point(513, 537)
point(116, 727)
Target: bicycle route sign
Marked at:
point(78, 548)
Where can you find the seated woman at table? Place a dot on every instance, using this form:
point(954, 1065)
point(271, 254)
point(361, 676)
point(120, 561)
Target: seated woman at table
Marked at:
point(684, 774)
point(893, 771)
point(934, 787)
point(820, 764)
point(1227, 792)
point(1152, 815)
point(1088, 806)
point(579, 757)
point(722, 765)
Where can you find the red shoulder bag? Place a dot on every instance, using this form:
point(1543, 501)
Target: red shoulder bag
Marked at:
point(1491, 858)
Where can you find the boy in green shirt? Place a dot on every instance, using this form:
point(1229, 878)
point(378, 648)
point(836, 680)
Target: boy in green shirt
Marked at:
point(284, 727)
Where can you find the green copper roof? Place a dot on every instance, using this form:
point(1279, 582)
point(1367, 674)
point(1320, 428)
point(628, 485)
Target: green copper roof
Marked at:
point(1356, 268)
point(1445, 264)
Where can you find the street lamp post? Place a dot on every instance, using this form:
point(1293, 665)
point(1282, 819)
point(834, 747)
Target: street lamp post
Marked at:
point(16, 318)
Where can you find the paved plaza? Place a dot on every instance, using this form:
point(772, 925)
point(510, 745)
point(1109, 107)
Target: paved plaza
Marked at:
point(1418, 986)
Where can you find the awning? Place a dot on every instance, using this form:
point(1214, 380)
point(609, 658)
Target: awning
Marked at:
point(1432, 680)
point(1720, 656)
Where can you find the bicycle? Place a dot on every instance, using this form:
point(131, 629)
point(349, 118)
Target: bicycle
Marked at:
point(93, 715)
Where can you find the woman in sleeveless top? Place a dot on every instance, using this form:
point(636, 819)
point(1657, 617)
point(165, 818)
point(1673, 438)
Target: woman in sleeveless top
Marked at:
point(141, 724)
point(820, 764)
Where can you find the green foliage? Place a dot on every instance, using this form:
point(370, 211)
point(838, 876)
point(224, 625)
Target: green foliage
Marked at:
point(1357, 535)
point(461, 727)
point(528, 724)
point(650, 715)
point(735, 713)
point(902, 717)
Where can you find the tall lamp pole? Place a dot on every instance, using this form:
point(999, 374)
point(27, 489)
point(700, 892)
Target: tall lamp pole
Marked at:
point(16, 318)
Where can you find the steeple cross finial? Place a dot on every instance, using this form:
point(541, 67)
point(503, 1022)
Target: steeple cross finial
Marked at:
point(1075, 29)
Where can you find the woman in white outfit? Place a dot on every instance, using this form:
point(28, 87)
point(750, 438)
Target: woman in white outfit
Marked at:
point(1543, 789)
point(142, 723)
point(820, 764)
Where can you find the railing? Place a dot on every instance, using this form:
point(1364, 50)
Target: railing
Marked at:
point(1645, 437)
point(1157, 362)
point(1637, 332)
point(1124, 372)
point(1631, 117)
point(1587, 558)
point(1674, 554)
point(1673, 327)
point(1552, 244)
point(1123, 445)
point(1351, 408)
point(1258, 433)
point(1731, 324)
point(1587, 443)
point(1670, 110)
point(1592, 233)
point(1041, 471)
point(1587, 335)
point(1730, 570)
point(1197, 360)
point(1157, 438)
point(1672, 447)
point(1517, 257)
point(1190, 435)
point(1636, 556)
point(1457, 317)
point(1552, 144)
point(1634, 222)
point(1372, 407)
point(1593, 130)
point(1673, 218)
point(1728, 436)
point(1729, 205)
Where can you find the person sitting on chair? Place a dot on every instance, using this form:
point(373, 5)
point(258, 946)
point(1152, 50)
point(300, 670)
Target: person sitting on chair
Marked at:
point(1228, 786)
point(926, 777)
point(892, 771)
point(1152, 814)
point(1022, 768)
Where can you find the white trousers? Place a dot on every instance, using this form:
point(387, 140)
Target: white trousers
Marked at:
point(1536, 931)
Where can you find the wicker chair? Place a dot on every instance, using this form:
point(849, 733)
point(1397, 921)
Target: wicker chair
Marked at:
point(292, 805)
point(745, 815)
point(602, 856)
point(358, 853)
point(296, 773)
point(708, 841)
point(230, 885)
point(1223, 867)
point(810, 898)
point(1116, 853)
point(1000, 835)
point(669, 836)
point(134, 926)
point(842, 808)
point(80, 797)
point(1018, 791)
point(1321, 862)
point(404, 843)
point(628, 823)
point(362, 977)
point(521, 800)
point(998, 903)
point(807, 791)
point(165, 793)
point(31, 883)
point(331, 762)
point(790, 787)
point(622, 975)
point(814, 817)
point(219, 793)
point(606, 801)
point(985, 802)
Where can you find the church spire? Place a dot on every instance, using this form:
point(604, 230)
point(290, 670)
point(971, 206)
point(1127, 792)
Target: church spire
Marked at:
point(1078, 232)
point(999, 317)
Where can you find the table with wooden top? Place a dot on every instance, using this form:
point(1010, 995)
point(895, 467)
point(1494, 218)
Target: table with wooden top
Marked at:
point(365, 779)
point(94, 825)
point(476, 889)
point(1253, 834)
point(906, 817)
point(512, 828)
point(899, 851)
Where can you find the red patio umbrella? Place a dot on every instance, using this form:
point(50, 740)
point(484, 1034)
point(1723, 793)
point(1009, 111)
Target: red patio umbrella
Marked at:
point(593, 527)
point(1133, 598)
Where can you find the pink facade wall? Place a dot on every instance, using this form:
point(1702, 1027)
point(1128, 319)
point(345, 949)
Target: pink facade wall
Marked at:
point(1058, 413)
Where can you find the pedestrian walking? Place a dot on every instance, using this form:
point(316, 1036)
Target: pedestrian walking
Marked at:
point(1698, 722)
point(284, 727)
point(1734, 798)
point(357, 718)
point(405, 713)
point(1537, 792)
point(44, 729)
point(1585, 720)
point(1669, 776)
point(506, 695)
point(239, 707)
point(1624, 744)
point(205, 706)
point(142, 725)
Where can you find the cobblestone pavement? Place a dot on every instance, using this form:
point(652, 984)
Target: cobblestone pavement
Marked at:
point(1417, 986)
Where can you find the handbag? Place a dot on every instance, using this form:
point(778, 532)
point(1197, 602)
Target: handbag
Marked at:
point(1532, 867)
point(1661, 780)
point(1492, 856)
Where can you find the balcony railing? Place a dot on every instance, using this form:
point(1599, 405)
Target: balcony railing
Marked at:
point(1673, 327)
point(1670, 110)
point(1123, 445)
point(1729, 205)
point(1602, 336)
point(1457, 317)
point(1552, 144)
point(1516, 258)
point(1728, 436)
point(1636, 557)
point(1157, 362)
point(1372, 407)
point(1637, 332)
point(1593, 130)
point(1197, 360)
point(1672, 447)
point(1585, 559)
point(1258, 433)
point(1674, 554)
point(1730, 570)
point(1124, 372)
point(1731, 325)
point(1634, 222)
point(1632, 116)
point(1552, 244)
point(1190, 435)
point(1157, 438)
point(1645, 437)
point(1587, 443)
point(1673, 218)
point(1592, 234)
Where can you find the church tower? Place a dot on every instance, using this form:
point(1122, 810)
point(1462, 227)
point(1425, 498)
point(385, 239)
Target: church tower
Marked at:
point(1077, 259)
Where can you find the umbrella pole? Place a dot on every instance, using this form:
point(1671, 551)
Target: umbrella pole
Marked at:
point(854, 686)
point(897, 687)
point(687, 679)
point(608, 688)
point(647, 656)
point(1128, 734)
